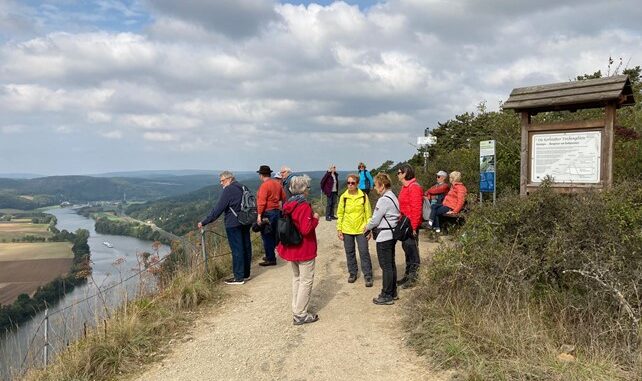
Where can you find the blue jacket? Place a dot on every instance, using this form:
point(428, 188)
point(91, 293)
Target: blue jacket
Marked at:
point(362, 180)
point(230, 197)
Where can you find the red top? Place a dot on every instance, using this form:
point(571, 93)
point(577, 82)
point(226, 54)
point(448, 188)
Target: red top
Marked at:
point(456, 197)
point(436, 190)
point(411, 202)
point(269, 196)
point(305, 222)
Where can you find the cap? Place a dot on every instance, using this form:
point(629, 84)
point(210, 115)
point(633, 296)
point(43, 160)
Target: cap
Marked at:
point(442, 174)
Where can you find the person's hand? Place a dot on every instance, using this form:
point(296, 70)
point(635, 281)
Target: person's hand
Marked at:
point(200, 225)
point(316, 216)
point(450, 212)
point(340, 235)
point(258, 219)
point(369, 235)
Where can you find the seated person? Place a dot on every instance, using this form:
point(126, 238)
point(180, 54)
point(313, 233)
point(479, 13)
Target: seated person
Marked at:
point(436, 193)
point(453, 202)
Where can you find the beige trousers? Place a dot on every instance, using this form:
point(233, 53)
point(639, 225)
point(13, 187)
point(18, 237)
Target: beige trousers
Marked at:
point(302, 278)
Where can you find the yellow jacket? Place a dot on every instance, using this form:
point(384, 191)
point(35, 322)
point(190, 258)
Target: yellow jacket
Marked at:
point(354, 212)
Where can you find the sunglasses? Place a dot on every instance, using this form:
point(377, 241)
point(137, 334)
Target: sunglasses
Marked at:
point(352, 183)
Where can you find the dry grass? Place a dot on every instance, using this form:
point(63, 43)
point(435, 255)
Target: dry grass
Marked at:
point(22, 251)
point(11, 230)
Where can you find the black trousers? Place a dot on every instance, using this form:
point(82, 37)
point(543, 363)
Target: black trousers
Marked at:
point(411, 249)
point(386, 256)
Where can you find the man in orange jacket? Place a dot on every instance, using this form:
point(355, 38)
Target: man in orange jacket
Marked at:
point(411, 206)
point(269, 200)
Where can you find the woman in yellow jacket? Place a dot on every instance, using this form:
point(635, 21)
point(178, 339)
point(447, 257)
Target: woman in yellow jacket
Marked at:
point(354, 212)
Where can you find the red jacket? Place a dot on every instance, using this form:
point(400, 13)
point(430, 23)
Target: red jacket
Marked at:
point(304, 221)
point(411, 202)
point(456, 197)
point(436, 190)
point(269, 196)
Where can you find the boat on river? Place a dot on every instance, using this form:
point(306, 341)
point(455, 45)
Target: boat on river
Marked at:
point(108, 244)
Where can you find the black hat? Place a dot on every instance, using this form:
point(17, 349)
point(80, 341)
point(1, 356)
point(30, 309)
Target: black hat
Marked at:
point(264, 170)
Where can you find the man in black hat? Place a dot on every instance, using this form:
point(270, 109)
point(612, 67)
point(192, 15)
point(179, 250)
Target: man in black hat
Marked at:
point(270, 197)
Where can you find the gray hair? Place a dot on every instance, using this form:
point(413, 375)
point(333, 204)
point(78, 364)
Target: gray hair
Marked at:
point(226, 175)
point(299, 184)
point(286, 169)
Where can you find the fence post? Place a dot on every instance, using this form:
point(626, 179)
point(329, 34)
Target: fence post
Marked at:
point(84, 329)
point(203, 247)
point(46, 348)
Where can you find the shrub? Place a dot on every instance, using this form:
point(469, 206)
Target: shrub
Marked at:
point(534, 273)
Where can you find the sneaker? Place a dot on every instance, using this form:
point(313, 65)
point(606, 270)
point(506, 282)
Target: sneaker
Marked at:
point(328, 218)
point(437, 230)
point(309, 318)
point(430, 222)
point(247, 278)
point(232, 280)
point(335, 217)
point(352, 278)
point(409, 284)
point(402, 281)
point(267, 263)
point(264, 259)
point(369, 282)
point(383, 300)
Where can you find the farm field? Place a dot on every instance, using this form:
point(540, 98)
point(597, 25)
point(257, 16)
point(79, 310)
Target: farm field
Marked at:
point(26, 266)
point(20, 228)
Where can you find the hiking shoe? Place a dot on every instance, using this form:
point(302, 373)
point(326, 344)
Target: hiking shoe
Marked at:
point(402, 281)
point(264, 259)
point(335, 217)
point(409, 284)
point(247, 278)
point(429, 222)
point(309, 318)
point(352, 278)
point(267, 263)
point(232, 280)
point(328, 218)
point(437, 230)
point(383, 300)
point(369, 282)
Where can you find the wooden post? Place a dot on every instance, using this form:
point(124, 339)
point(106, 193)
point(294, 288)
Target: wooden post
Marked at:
point(525, 156)
point(607, 150)
point(46, 348)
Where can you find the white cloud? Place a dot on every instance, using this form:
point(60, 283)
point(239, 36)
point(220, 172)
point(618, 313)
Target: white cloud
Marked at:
point(160, 136)
point(12, 129)
point(115, 134)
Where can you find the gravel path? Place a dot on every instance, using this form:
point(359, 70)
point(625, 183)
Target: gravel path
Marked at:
point(251, 335)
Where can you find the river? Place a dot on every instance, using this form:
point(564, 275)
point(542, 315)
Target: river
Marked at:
point(72, 312)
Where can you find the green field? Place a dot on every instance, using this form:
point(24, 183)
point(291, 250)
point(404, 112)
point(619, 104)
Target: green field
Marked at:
point(21, 228)
point(20, 251)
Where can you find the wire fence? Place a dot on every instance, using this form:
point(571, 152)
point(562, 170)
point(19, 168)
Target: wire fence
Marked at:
point(199, 259)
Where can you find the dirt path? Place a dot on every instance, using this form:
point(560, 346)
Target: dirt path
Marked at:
point(252, 337)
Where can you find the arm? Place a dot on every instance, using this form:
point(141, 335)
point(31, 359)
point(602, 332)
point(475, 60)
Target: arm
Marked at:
point(324, 179)
point(370, 178)
point(437, 189)
point(283, 196)
point(416, 202)
point(307, 222)
point(220, 207)
point(461, 198)
point(368, 208)
point(379, 213)
point(261, 200)
point(340, 212)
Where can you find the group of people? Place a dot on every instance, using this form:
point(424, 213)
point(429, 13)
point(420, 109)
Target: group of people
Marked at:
point(356, 223)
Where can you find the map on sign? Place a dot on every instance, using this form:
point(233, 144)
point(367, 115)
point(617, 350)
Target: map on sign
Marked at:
point(570, 157)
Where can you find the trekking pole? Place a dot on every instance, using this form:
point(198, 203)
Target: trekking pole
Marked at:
point(203, 247)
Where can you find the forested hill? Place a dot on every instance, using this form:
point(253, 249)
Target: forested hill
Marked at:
point(33, 193)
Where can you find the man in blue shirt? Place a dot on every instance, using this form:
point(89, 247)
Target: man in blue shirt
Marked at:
point(238, 236)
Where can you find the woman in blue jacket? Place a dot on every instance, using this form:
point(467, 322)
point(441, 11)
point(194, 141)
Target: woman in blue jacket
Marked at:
point(365, 179)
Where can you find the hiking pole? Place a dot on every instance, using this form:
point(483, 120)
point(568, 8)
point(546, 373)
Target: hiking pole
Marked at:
point(203, 247)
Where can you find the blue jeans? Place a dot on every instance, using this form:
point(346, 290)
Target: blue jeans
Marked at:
point(269, 239)
point(438, 210)
point(241, 246)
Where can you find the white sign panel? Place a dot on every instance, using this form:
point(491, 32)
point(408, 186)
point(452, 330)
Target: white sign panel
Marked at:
point(570, 157)
point(426, 140)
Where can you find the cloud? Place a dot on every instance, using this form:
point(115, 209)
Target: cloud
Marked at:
point(233, 18)
point(116, 134)
point(12, 129)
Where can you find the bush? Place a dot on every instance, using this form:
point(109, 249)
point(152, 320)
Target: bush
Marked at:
point(532, 274)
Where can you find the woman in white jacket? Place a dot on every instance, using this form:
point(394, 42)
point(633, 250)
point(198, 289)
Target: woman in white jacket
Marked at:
point(384, 219)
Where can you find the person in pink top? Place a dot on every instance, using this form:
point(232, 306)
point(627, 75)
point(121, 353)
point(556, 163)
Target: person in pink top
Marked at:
point(302, 256)
point(453, 202)
point(411, 205)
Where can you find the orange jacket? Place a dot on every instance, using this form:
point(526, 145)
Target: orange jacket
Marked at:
point(269, 196)
point(456, 197)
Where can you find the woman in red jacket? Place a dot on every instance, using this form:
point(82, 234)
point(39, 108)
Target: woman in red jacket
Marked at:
point(411, 205)
point(301, 256)
point(453, 202)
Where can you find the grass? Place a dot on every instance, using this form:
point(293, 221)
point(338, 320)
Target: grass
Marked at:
point(19, 251)
point(21, 228)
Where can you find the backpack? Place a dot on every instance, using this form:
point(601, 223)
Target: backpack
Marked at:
point(247, 214)
point(426, 209)
point(286, 231)
point(403, 230)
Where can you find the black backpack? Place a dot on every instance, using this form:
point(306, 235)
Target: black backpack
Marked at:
point(286, 231)
point(403, 230)
point(247, 214)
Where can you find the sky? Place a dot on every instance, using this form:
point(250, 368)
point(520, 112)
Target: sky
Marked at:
point(119, 85)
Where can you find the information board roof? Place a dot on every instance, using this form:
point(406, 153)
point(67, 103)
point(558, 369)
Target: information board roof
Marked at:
point(590, 93)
